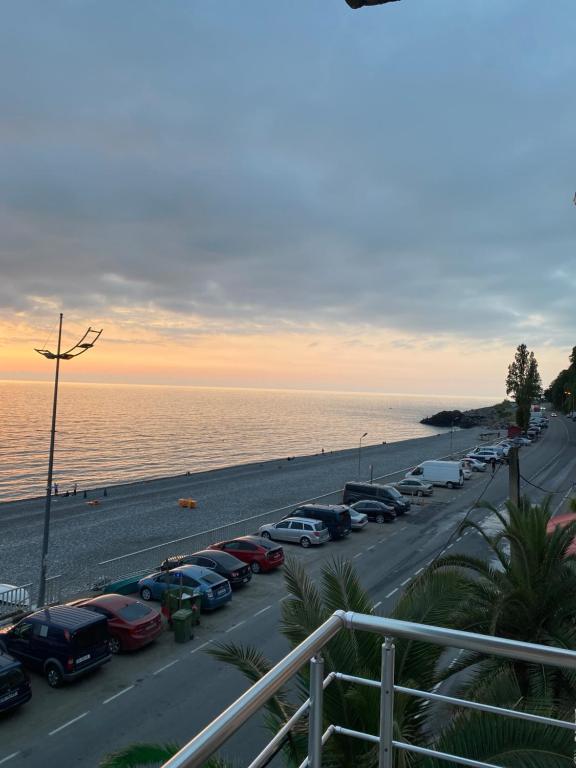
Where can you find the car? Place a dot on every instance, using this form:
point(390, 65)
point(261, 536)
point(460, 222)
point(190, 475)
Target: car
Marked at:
point(359, 491)
point(15, 687)
point(412, 486)
point(358, 519)
point(520, 441)
point(476, 465)
point(553, 414)
point(62, 642)
point(261, 554)
point(131, 623)
point(214, 589)
point(237, 572)
point(485, 454)
point(334, 516)
point(305, 532)
point(375, 510)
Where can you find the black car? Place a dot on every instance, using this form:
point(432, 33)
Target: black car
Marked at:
point(63, 642)
point(237, 572)
point(375, 511)
point(14, 683)
point(334, 516)
point(356, 491)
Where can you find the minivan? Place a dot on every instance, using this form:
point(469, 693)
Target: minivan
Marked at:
point(62, 642)
point(374, 492)
point(14, 683)
point(335, 517)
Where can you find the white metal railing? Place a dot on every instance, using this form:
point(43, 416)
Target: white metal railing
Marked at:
point(15, 600)
point(205, 744)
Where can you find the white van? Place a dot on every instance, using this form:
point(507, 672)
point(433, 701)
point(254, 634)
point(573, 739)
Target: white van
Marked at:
point(446, 473)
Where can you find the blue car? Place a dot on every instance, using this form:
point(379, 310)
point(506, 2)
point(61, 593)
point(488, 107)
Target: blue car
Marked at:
point(214, 589)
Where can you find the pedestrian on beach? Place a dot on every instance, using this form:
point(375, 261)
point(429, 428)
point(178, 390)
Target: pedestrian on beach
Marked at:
point(74, 489)
point(55, 489)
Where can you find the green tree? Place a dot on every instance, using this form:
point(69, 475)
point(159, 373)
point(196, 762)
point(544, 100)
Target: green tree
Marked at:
point(560, 391)
point(524, 383)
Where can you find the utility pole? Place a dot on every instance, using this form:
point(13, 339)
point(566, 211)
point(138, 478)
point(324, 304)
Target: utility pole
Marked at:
point(86, 342)
point(514, 476)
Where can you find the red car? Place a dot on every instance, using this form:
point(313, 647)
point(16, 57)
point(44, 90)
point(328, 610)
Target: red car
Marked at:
point(131, 623)
point(260, 554)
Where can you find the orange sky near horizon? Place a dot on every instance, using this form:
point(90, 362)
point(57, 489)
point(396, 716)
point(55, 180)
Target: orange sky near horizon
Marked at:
point(343, 359)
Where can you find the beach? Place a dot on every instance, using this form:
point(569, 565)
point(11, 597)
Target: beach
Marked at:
point(144, 514)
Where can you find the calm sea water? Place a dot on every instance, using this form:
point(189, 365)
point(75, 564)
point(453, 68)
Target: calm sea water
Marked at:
point(108, 434)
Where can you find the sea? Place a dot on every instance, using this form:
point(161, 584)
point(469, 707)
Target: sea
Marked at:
point(108, 434)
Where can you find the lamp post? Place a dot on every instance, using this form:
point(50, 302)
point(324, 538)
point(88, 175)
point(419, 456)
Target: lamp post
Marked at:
point(451, 437)
point(86, 342)
point(360, 452)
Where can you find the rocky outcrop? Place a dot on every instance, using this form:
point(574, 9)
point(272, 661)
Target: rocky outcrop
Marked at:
point(493, 416)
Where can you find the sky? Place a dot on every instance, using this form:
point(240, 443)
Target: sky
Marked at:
point(288, 194)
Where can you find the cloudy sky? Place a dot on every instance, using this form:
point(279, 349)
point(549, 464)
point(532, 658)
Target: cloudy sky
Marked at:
point(290, 194)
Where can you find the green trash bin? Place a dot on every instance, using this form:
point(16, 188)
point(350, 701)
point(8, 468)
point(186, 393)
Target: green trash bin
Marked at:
point(179, 598)
point(182, 621)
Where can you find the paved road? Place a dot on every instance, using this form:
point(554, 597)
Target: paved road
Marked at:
point(168, 692)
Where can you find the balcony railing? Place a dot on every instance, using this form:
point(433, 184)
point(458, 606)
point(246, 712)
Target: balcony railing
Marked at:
point(215, 735)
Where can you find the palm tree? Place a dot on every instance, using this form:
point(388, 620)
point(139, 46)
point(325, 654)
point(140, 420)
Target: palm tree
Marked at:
point(527, 593)
point(436, 599)
point(150, 756)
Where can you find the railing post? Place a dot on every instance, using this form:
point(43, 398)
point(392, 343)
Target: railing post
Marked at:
point(315, 718)
point(385, 757)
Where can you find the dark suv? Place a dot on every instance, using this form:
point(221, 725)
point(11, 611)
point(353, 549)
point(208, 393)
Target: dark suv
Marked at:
point(374, 492)
point(335, 517)
point(61, 642)
point(14, 684)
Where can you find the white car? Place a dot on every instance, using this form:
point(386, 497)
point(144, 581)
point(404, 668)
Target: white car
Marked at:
point(523, 441)
point(474, 464)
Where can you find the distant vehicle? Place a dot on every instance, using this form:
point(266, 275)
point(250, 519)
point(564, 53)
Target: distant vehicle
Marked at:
point(131, 624)
point(260, 554)
point(228, 566)
point(523, 441)
point(374, 510)
point(476, 465)
point(214, 589)
point(412, 486)
point(15, 687)
point(297, 531)
point(553, 414)
point(358, 519)
point(357, 491)
point(62, 642)
point(334, 516)
point(485, 454)
point(444, 473)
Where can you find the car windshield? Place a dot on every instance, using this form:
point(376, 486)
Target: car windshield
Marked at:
point(134, 611)
point(212, 578)
point(11, 679)
point(225, 560)
point(267, 544)
point(88, 637)
point(320, 526)
point(395, 493)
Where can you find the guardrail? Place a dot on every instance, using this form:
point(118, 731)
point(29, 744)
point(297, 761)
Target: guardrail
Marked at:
point(15, 600)
point(214, 736)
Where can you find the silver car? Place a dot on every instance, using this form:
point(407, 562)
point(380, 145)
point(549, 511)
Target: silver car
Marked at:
point(298, 530)
point(357, 519)
point(414, 487)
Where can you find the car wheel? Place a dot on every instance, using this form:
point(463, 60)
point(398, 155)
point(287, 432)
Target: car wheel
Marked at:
point(114, 644)
point(266, 535)
point(379, 518)
point(53, 676)
point(450, 485)
point(146, 594)
point(305, 542)
point(255, 567)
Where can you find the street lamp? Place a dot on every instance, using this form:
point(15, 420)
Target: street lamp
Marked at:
point(86, 342)
point(360, 452)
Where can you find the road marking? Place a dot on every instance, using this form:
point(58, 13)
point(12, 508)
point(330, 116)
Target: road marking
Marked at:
point(286, 597)
point(166, 666)
point(391, 593)
point(120, 693)
point(403, 583)
point(381, 541)
point(429, 562)
point(465, 533)
point(459, 538)
point(369, 549)
point(262, 611)
point(70, 722)
point(403, 528)
point(418, 571)
point(449, 546)
point(5, 759)
point(358, 554)
point(201, 646)
point(377, 605)
point(235, 626)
